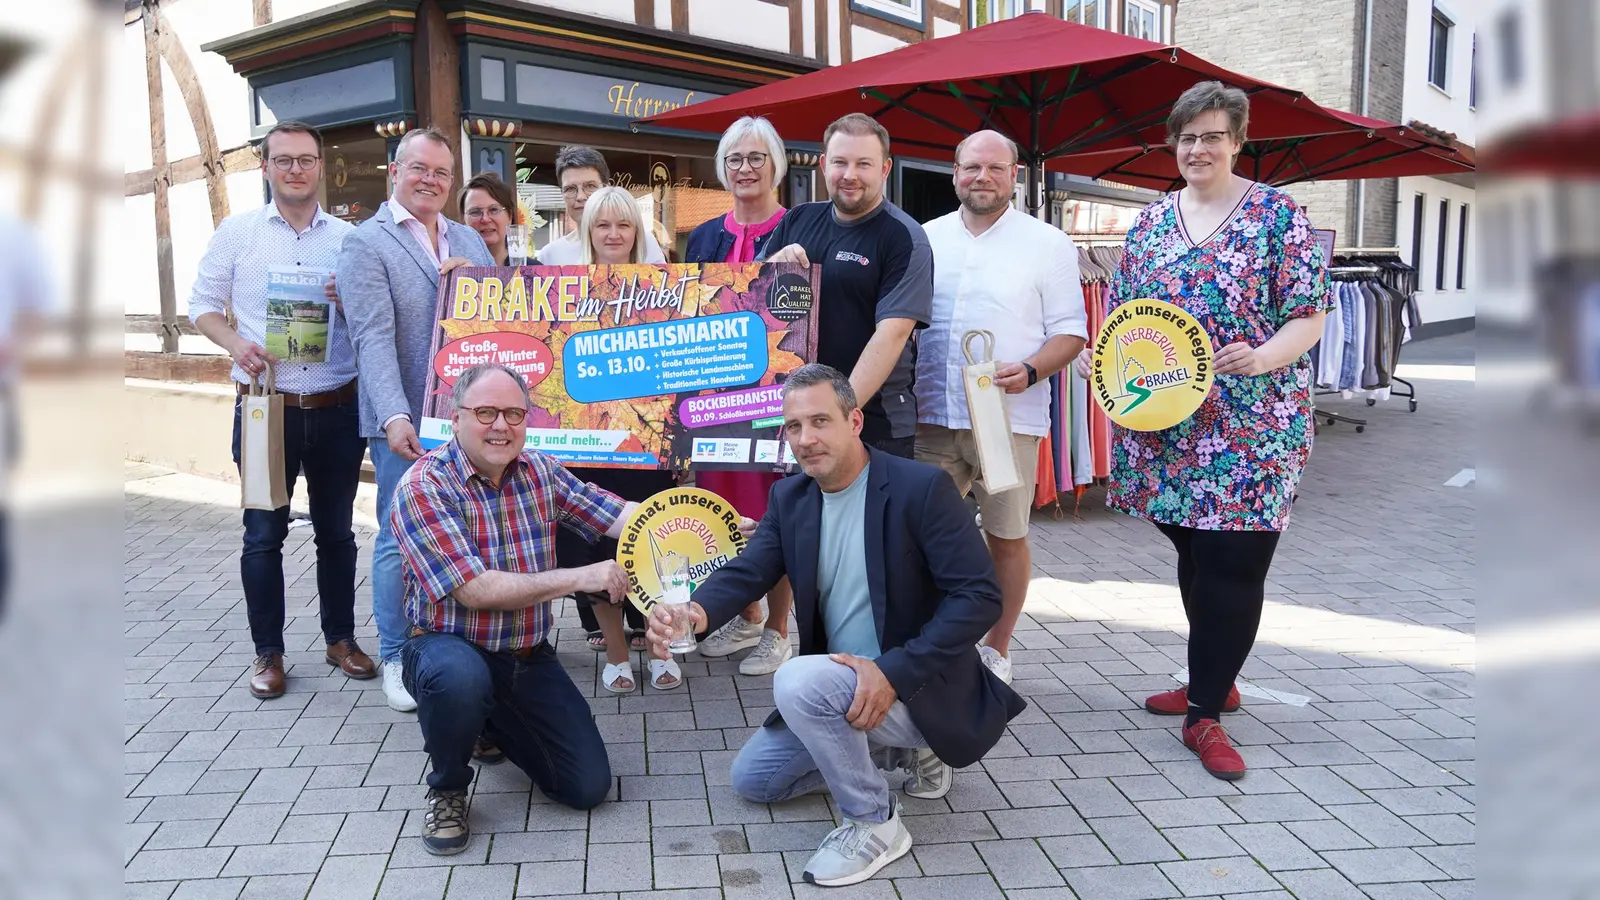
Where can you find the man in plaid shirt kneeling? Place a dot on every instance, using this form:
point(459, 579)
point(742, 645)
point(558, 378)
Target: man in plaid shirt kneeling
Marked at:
point(476, 520)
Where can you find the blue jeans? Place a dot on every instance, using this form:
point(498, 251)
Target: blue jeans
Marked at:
point(528, 706)
point(815, 747)
point(388, 590)
point(325, 444)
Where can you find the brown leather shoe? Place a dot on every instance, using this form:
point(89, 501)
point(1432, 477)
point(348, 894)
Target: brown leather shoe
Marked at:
point(267, 682)
point(350, 660)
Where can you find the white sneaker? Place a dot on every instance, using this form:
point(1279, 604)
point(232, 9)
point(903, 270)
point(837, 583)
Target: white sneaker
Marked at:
point(856, 851)
point(394, 688)
point(731, 638)
point(930, 776)
point(999, 665)
point(772, 652)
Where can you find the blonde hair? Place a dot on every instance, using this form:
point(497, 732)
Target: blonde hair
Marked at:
point(616, 201)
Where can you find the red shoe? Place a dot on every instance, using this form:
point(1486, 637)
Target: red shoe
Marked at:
point(1207, 739)
point(1176, 703)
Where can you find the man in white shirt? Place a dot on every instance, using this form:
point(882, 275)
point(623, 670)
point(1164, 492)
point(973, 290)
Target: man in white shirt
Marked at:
point(997, 269)
point(291, 233)
point(581, 171)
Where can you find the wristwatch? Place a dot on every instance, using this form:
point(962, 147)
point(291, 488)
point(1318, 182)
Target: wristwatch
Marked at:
point(1033, 374)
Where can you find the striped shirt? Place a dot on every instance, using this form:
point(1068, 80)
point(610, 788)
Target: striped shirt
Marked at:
point(453, 525)
point(234, 269)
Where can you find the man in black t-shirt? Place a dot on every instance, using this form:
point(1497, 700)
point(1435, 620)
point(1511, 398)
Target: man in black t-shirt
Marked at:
point(877, 278)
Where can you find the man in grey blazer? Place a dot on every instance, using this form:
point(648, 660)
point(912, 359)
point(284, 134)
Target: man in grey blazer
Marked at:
point(388, 275)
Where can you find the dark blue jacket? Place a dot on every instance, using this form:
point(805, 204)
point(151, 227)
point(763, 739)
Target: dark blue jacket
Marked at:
point(709, 242)
point(933, 588)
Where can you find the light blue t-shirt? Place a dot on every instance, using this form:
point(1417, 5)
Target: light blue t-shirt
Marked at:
point(842, 572)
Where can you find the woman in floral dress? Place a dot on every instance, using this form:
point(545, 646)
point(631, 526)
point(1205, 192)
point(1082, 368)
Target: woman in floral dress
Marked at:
point(1242, 258)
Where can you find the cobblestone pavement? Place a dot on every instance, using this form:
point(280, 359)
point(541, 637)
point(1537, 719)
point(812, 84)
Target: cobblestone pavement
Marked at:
point(1362, 761)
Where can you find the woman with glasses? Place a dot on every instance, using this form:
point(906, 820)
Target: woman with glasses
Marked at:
point(751, 162)
point(490, 207)
point(1242, 258)
point(612, 230)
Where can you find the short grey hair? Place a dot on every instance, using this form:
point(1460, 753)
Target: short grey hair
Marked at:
point(761, 128)
point(1015, 156)
point(421, 134)
point(813, 374)
point(1205, 97)
point(458, 394)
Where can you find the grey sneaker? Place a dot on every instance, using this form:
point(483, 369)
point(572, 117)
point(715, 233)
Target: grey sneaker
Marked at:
point(444, 828)
point(856, 851)
point(773, 651)
point(731, 638)
point(999, 665)
point(930, 776)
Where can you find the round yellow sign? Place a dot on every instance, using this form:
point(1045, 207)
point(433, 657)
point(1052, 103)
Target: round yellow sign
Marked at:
point(1152, 365)
point(674, 540)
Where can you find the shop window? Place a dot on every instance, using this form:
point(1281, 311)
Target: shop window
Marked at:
point(355, 173)
point(1141, 20)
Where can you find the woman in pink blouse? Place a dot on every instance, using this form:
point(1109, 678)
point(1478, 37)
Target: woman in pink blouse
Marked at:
point(750, 162)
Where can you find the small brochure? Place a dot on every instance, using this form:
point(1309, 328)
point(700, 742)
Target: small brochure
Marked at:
point(299, 315)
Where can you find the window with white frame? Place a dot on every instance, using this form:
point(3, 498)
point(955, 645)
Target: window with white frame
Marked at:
point(1084, 12)
point(986, 11)
point(906, 12)
point(1142, 19)
point(1441, 32)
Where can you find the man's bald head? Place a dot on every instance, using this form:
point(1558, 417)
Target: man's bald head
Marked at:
point(988, 141)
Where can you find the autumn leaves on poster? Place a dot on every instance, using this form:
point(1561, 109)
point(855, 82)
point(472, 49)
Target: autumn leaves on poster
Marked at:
point(637, 366)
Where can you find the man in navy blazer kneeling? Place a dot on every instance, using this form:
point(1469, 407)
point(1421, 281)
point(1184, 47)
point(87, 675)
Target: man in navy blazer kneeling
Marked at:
point(893, 589)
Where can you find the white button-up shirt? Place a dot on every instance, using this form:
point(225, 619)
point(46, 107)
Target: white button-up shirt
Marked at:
point(1019, 280)
point(416, 229)
point(234, 268)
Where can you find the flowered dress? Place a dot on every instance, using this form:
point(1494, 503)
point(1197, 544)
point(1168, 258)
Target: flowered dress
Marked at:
point(1233, 465)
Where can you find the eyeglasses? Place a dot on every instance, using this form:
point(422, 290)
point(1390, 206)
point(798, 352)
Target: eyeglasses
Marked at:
point(997, 171)
point(284, 163)
point(418, 170)
point(1210, 139)
point(736, 161)
point(478, 214)
point(580, 190)
point(487, 414)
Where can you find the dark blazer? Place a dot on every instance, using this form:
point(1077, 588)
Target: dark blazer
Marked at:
point(709, 242)
point(933, 587)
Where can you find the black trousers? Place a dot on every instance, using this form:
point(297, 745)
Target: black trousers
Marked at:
point(1222, 576)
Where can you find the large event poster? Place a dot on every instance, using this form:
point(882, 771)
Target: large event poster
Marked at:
point(636, 366)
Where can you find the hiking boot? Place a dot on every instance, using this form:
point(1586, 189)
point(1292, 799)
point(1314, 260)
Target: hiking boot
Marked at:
point(484, 751)
point(444, 827)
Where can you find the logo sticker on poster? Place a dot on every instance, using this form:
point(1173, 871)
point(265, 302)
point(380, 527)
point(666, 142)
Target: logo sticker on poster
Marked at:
point(790, 298)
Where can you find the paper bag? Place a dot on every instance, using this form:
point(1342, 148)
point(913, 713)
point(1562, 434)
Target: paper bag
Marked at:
point(262, 482)
point(991, 424)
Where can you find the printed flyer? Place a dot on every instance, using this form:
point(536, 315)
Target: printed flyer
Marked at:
point(637, 366)
point(299, 315)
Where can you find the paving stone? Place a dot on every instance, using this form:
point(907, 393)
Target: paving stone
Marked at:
point(1455, 860)
point(1202, 842)
point(539, 847)
point(1322, 884)
point(1421, 801)
point(1142, 882)
point(1378, 826)
point(1209, 877)
point(977, 887)
point(618, 867)
point(1077, 851)
point(1132, 839)
point(757, 876)
point(1177, 813)
point(483, 883)
point(673, 872)
point(314, 829)
point(949, 859)
point(368, 833)
point(1274, 808)
point(276, 859)
point(1452, 829)
point(187, 807)
point(1095, 797)
point(1274, 847)
point(277, 887)
point(177, 865)
point(183, 833)
point(1033, 823)
point(1383, 865)
point(1019, 864)
point(342, 877)
point(210, 889)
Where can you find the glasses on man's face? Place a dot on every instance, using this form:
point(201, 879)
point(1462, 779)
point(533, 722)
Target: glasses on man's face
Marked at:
point(420, 171)
point(1208, 139)
point(736, 161)
point(580, 190)
point(285, 163)
point(487, 414)
point(479, 213)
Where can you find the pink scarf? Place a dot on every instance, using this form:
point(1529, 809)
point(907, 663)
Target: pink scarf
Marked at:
point(744, 236)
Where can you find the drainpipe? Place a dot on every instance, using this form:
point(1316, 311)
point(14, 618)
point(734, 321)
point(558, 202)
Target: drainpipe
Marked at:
point(1366, 89)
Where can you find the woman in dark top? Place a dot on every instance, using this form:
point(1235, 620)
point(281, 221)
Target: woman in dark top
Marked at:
point(750, 163)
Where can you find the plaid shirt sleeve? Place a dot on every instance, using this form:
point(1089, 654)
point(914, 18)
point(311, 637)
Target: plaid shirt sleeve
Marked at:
point(435, 539)
point(582, 507)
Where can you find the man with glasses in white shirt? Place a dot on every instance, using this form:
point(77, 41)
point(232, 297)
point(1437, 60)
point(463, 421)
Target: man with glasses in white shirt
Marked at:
point(389, 273)
point(321, 439)
point(581, 171)
point(998, 269)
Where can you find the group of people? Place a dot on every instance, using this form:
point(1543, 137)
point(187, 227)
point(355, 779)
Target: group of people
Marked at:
point(904, 606)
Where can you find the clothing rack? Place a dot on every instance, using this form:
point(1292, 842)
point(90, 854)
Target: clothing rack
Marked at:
point(1385, 274)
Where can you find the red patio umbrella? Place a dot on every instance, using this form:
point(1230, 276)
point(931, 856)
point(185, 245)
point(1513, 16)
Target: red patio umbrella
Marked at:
point(1055, 87)
point(1565, 148)
point(1364, 148)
